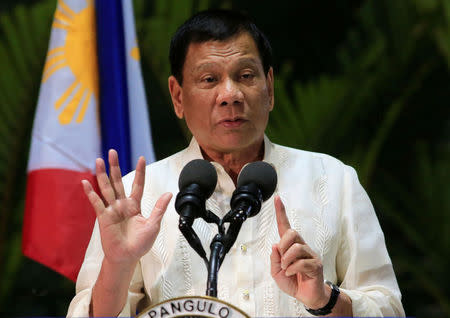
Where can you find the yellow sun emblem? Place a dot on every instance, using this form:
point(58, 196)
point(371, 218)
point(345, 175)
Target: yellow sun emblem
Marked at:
point(135, 53)
point(79, 53)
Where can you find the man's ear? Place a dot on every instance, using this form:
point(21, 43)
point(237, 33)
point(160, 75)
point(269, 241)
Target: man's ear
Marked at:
point(175, 93)
point(270, 89)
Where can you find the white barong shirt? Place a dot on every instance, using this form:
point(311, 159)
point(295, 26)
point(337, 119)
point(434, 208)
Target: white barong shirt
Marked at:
point(324, 202)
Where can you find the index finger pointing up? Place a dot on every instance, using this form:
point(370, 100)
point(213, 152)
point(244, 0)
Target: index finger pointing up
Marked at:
point(282, 219)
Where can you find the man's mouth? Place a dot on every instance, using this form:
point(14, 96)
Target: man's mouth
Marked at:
point(233, 123)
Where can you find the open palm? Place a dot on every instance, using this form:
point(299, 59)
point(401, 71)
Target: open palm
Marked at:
point(125, 234)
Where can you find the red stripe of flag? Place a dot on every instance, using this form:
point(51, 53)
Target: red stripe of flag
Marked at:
point(53, 234)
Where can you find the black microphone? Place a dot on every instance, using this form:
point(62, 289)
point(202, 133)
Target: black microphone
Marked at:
point(256, 183)
point(197, 182)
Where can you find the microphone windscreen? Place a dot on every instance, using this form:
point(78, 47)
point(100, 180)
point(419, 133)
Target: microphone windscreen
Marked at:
point(262, 174)
point(200, 172)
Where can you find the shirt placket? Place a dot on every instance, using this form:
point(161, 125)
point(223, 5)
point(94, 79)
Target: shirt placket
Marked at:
point(243, 266)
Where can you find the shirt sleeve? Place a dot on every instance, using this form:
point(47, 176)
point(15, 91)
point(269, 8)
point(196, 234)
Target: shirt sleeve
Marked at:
point(79, 306)
point(363, 264)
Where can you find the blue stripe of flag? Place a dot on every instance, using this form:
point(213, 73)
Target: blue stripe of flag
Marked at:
point(113, 95)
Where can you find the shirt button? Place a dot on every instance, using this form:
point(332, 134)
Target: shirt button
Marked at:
point(243, 248)
point(246, 294)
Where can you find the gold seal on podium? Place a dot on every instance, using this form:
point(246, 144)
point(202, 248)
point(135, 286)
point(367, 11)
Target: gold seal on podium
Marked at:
point(193, 306)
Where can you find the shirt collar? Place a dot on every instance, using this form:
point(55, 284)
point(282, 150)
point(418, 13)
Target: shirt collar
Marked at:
point(225, 185)
point(193, 151)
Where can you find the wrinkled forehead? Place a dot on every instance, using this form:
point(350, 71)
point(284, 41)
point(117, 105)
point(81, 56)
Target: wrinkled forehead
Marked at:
point(240, 48)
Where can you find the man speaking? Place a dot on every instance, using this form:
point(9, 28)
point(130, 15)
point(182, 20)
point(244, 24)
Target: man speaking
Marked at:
point(316, 247)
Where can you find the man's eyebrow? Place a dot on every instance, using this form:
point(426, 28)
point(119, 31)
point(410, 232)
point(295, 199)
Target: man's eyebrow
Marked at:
point(248, 60)
point(202, 66)
point(245, 61)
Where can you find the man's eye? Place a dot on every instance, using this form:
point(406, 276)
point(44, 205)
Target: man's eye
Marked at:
point(209, 79)
point(247, 76)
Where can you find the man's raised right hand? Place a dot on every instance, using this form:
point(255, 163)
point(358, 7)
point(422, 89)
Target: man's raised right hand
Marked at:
point(126, 235)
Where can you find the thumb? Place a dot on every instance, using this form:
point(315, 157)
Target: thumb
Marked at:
point(275, 261)
point(160, 208)
point(282, 219)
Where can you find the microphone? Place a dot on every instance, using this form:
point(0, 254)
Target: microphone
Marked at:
point(197, 182)
point(256, 183)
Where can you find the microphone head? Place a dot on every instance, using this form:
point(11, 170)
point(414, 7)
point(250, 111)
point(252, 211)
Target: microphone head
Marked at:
point(262, 174)
point(200, 172)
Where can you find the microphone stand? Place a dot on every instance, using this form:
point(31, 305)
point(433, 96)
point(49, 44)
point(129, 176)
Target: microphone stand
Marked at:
point(217, 253)
point(244, 203)
point(221, 245)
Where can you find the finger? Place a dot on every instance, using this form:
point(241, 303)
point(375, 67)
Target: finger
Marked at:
point(295, 252)
point(115, 175)
point(137, 189)
point(275, 261)
point(159, 209)
point(282, 219)
point(93, 197)
point(310, 267)
point(103, 181)
point(289, 238)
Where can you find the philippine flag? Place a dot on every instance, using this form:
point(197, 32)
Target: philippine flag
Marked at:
point(91, 99)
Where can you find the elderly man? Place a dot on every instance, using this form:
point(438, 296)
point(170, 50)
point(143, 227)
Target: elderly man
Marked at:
point(319, 224)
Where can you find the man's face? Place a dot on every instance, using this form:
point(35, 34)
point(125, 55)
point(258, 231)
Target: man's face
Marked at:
point(226, 97)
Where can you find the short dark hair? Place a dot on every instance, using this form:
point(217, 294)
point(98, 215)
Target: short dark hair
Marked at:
point(215, 25)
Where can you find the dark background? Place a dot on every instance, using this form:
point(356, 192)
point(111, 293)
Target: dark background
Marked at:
point(366, 81)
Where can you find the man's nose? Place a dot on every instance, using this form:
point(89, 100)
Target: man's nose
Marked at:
point(229, 93)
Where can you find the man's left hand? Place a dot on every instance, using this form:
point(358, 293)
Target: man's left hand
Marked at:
point(296, 269)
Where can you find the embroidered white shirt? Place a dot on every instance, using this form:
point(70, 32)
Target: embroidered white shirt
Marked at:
point(325, 203)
